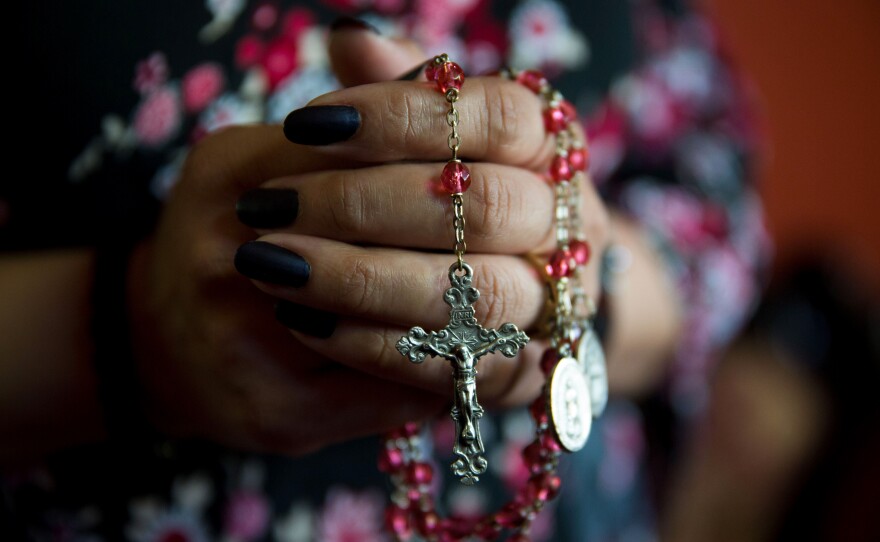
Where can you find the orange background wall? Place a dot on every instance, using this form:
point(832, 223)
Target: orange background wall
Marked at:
point(816, 64)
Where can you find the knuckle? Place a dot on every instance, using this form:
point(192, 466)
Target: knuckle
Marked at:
point(502, 295)
point(360, 286)
point(493, 206)
point(401, 123)
point(197, 165)
point(347, 206)
point(502, 124)
point(210, 265)
point(383, 343)
point(201, 165)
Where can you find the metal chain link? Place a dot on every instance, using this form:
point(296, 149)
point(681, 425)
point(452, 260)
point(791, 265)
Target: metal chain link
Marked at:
point(563, 314)
point(582, 304)
point(453, 141)
point(574, 206)
point(562, 215)
point(458, 223)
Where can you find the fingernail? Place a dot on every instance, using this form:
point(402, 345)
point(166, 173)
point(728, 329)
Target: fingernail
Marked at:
point(263, 261)
point(322, 124)
point(308, 320)
point(268, 207)
point(350, 23)
point(414, 73)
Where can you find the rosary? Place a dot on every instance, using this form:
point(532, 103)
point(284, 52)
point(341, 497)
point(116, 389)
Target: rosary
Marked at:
point(576, 387)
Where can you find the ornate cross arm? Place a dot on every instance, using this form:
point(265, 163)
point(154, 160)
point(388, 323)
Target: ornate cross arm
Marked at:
point(508, 340)
point(419, 344)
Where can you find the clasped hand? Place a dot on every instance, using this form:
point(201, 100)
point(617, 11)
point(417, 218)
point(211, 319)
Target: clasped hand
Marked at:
point(364, 259)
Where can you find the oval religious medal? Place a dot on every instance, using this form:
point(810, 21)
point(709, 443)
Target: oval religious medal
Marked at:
point(570, 408)
point(592, 359)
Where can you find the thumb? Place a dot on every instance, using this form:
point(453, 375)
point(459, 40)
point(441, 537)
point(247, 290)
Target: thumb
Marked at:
point(359, 54)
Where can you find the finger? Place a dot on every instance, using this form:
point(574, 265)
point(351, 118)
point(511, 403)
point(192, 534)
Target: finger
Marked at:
point(507, 210)
point(361, 405)
point(389, 285)
point(273, 379)
point(359, 54)
point(500, 121)
point(237, 158)
point(370, 348)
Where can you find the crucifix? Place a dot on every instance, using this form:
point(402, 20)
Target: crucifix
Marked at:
point(463, 341)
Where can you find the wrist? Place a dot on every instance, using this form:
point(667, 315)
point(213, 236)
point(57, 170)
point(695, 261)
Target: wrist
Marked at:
point(644, 312)
point(47, 383)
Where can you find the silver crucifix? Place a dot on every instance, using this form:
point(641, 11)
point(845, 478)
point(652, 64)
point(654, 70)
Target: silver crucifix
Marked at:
point(463, 342)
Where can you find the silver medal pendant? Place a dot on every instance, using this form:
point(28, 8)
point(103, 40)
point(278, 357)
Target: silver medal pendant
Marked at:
point(591, 357)
point(570, 405)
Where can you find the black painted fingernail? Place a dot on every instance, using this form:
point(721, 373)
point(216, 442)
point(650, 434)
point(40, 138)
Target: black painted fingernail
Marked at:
point(263, 261)
point(268, 207)
point(350, 23)
point(308, 320)
point(414, 73)
point(322, 124)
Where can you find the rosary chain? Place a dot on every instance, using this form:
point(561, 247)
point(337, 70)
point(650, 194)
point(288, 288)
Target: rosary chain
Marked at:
point(453, 141)
point(458, 224)
point(562, 214)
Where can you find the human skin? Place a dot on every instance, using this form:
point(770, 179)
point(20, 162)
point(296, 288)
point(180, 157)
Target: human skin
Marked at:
point(213, 361)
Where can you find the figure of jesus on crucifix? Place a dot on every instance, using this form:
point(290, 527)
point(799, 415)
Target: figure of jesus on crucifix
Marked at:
point(463, 341)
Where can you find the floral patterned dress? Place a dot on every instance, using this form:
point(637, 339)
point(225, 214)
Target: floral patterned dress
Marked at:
point(672, 140)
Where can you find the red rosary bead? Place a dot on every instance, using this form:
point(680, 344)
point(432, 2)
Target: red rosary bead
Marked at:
point(568, 110)
point(533, 457)
point(549, 443)
point(427, 523)
point(431, 71)
point(532, 79)
point(560, 265)
point(511, 516)
point(554, 120)
point(538, 410)
point(580, 251)
point(397, 521)
point(579, 158)
point(407, 430)
point(449, 75)
point(411, 429)
point(459, 528)
point(543, 487)
point(487, 530)
point(413, 494)
point(549, 359)
point(560, 169)
point(456, 177)
point(390, 460)
point(419, 473)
